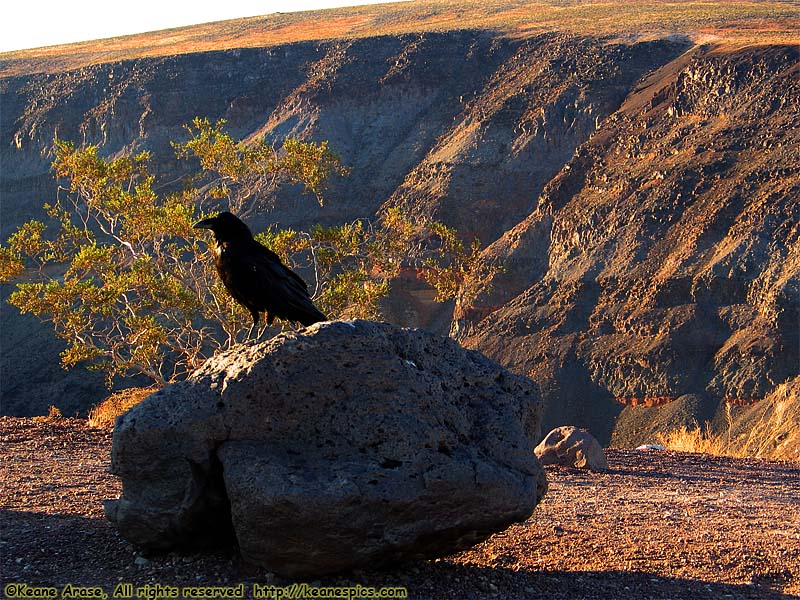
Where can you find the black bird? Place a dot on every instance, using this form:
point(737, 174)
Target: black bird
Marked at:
point(255, 276)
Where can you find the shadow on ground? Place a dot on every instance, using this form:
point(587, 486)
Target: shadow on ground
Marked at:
point(42, 549)
point(500, 582)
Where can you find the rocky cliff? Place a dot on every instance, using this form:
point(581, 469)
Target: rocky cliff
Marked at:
point(664, 258)
point(642, 195)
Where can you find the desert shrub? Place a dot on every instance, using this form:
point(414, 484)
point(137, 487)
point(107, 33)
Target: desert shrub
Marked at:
point(125, 280)
point(246, 175)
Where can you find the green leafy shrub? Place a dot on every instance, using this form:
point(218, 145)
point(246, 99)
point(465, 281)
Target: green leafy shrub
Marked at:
point(125, 280)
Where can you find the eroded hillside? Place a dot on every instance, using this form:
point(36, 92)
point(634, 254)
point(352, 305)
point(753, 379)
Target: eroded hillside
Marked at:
point(641, 193)
point(486, 171)
point(663, 259)
point(452, 125)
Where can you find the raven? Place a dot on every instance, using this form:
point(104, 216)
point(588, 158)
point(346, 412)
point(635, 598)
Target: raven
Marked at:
point(255, 276)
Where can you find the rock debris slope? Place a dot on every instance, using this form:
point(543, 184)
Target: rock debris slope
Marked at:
point(343, 445)
point(513, 135)
point(664, 259)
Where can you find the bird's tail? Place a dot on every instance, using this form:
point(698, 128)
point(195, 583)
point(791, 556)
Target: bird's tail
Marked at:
point(311, 315)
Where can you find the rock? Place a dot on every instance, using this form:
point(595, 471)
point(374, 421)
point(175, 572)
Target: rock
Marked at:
point(339, 446)
point(651, 448)
point(571, 447)
point(141, 561)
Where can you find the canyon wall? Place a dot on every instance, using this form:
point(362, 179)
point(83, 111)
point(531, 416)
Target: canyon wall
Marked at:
point(642, 197)
point(663, 259)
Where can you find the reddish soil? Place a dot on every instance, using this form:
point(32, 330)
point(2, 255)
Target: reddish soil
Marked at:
point(657, 525)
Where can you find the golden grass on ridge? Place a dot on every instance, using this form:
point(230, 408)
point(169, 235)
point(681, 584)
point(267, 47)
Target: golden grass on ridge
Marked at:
point(54, 414)
point(734, 23)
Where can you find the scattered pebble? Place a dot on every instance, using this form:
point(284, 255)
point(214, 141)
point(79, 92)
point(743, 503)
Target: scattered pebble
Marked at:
point(732, 532)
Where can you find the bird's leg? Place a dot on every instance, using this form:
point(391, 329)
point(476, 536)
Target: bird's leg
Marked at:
point(269, 318)
point(255, 322)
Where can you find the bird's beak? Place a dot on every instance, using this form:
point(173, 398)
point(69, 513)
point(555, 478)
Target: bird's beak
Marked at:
point(204, 224)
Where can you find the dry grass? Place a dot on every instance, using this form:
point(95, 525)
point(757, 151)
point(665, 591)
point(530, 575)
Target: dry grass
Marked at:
point(768, 429)
point(696, 439)
point(54, 414)
point(730, 22)
point(771, 428)
point(104, 414)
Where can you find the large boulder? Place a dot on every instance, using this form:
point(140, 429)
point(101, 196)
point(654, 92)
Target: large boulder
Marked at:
point(342, 445)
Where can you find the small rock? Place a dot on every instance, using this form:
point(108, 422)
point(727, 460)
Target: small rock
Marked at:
point(141, 561)
point(651, 448)
point(571, 447)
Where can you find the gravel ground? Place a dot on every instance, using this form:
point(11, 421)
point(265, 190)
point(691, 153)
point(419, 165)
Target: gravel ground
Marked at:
point(657, 525)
